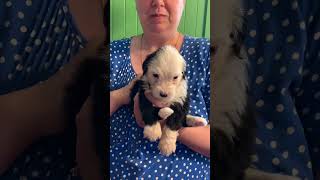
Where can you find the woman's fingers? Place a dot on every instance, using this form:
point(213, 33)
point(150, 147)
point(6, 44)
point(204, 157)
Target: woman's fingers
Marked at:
point(127, 90)
point(131, 84)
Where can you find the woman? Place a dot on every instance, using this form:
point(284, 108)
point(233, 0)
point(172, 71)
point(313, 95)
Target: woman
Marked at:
point(130, 154)
point(38, 39)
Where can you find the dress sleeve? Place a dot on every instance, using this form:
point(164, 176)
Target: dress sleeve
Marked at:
point(121, 72)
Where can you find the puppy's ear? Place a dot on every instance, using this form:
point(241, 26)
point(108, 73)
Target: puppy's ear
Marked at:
point(148, 60)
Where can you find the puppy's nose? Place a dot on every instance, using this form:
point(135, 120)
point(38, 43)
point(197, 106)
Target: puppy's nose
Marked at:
point(162, 94)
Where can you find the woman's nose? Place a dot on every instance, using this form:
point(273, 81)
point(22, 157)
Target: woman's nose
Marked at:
point(157, 2)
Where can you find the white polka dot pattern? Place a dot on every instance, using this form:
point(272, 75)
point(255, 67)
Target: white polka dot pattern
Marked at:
point(283, 47)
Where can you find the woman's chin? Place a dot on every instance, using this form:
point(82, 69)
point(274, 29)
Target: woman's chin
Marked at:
point(158, 27)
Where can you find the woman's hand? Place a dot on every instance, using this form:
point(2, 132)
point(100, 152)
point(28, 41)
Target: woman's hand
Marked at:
point(121, 96)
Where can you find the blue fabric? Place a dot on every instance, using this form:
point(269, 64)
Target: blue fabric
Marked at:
point(36, 38)
point(133, 156)
point(283, 47)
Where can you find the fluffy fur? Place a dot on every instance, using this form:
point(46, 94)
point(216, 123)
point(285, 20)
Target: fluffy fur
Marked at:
point(164, 78)
point(233, 116)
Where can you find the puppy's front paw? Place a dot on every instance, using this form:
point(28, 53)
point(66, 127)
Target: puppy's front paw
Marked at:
point(153, 132)
point(194, 121)
point(165, 112)
point(167, 147)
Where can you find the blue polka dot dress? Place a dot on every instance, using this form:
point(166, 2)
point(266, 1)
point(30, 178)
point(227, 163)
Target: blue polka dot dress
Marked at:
point(284, 49)
point(36, 38)
point(131, 155)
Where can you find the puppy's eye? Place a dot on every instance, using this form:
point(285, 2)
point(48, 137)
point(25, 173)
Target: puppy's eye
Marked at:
point(176, 77)
point(156, 75)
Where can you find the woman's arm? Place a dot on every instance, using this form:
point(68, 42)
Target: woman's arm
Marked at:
point(118, 98)
point(196, 138)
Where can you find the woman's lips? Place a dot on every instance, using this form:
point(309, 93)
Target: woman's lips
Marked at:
point(158, 17)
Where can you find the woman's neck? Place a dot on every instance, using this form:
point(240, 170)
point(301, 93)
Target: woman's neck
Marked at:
point(153, 41)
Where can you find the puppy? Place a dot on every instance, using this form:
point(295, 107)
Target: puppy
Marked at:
point(233, 118)
point(164, 79)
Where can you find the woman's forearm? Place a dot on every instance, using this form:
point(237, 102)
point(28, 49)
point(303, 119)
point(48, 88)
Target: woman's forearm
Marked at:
point(118, 98)
point(196, 138)
point(114, 105)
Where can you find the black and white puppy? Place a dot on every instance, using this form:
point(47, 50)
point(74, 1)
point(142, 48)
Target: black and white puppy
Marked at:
point(164, 79)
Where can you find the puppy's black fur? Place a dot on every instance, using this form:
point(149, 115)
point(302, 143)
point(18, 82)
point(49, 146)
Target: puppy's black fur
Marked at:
point(150, 113)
